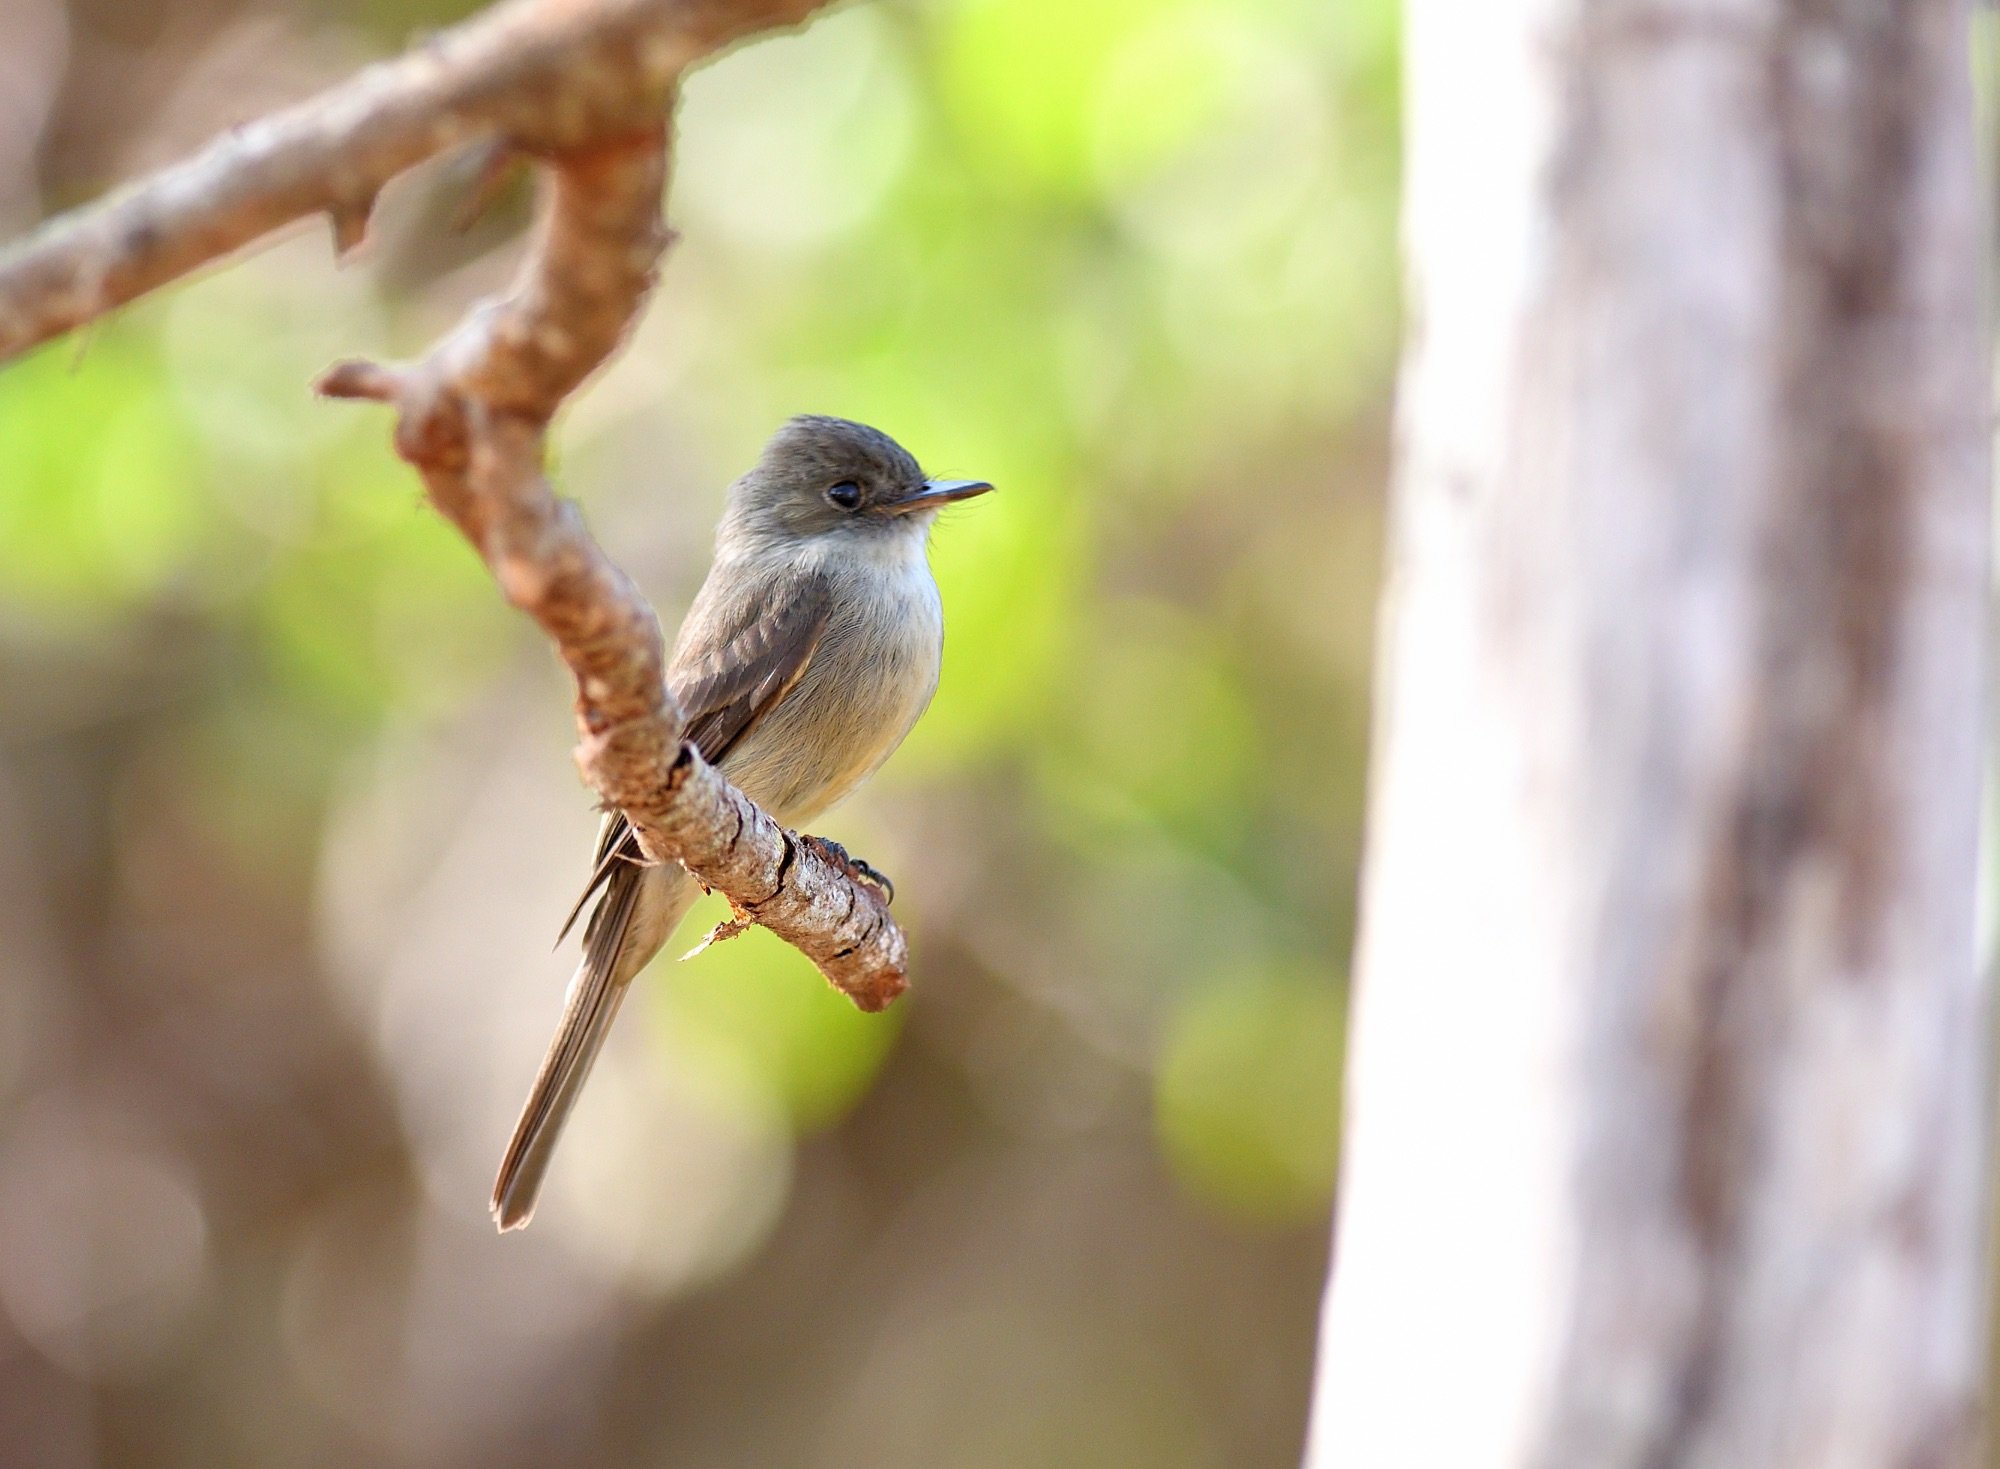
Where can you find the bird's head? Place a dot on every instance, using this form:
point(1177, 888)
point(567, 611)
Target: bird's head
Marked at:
point(830, 477)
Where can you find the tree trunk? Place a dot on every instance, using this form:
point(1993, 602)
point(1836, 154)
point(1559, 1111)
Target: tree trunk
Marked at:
point(1667, 1136)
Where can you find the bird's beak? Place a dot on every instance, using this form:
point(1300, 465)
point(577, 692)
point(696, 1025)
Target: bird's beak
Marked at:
point(938, 492)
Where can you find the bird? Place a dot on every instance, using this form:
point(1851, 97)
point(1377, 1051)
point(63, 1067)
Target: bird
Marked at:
point(811, 649)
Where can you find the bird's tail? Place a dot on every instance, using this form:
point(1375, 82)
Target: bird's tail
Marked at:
point(616, 945)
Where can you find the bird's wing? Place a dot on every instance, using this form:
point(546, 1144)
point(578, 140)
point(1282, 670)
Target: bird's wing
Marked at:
point(758, 651)
point(750, 661)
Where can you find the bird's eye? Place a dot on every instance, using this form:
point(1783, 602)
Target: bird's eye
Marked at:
point(846, 494)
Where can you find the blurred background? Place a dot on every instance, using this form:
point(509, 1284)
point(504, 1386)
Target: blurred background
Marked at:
point(288, 819)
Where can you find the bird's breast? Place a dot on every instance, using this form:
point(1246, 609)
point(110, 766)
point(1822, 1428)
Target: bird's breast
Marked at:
point(872, 675)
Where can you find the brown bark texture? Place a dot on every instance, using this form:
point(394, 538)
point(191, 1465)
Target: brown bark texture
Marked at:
point(583, 86)
point(1666, 1134)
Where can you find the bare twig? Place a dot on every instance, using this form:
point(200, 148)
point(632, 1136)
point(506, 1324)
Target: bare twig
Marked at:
point(542, 75)
point(583, 87)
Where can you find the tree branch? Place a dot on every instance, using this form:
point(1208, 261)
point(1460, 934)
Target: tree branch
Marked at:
point(543, 75)
point(584, 86)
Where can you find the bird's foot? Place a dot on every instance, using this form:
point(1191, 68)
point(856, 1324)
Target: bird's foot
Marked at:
point(854, 867)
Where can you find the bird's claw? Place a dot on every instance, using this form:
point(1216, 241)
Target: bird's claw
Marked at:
point(876, 878)
point(855, 868)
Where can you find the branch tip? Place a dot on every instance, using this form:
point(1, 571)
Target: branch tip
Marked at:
point(359, 378)
point(349, 220)
point(874, 998)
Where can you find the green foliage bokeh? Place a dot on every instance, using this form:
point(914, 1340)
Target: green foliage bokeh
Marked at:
point(1132, 262)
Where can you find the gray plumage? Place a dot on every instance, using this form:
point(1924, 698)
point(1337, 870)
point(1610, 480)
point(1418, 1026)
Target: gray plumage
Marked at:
point(808, 654)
